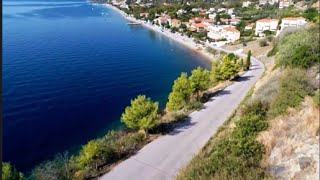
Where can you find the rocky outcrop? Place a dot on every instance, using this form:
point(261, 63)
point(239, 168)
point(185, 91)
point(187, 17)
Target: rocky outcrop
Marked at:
point(292, 144)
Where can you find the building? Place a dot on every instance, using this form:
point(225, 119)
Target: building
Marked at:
point(208, 22)
point(200, 27)
point(266, 25)
point(234, 21)
point(228, 33)
point(249, 27)
point(195, 20)
point(246, 3)
point(161, 20)
point(284, 3)
point(175, 23)
point(293, 22)
point(212, 16)
point(231, 34)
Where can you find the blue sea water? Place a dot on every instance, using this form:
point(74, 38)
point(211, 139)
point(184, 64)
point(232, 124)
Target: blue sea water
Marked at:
point(69, 70)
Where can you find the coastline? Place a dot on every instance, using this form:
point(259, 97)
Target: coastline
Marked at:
point(183, 40)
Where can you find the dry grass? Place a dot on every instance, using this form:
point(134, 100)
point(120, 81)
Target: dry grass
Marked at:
point(290, 138)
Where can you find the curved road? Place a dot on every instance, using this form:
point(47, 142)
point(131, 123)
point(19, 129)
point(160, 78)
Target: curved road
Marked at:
point(164, 157)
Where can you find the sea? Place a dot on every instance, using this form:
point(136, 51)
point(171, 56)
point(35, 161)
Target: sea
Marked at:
point(69, 70)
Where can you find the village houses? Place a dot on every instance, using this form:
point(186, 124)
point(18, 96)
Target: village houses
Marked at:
point(266, 25)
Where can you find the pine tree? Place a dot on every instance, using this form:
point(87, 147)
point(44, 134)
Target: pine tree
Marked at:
point(215, 74)
point(181, 93)
point(142, 114)
point(200, 80)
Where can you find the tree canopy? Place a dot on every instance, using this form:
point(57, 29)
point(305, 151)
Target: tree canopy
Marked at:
point(142, 114)
point(181, 92)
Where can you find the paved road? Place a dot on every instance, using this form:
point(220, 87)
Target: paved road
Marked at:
point(164, 157)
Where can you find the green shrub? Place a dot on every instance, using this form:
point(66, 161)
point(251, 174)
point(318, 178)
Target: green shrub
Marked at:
point(10, 173)
point(299, 49)
point(236, 156)
point(294, 86)
point(263, 43)
point(194, 105)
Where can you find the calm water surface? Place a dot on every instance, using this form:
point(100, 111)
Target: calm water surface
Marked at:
point(69, 70)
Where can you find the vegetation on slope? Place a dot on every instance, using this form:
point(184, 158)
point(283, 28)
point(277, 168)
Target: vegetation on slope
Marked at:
point(234, 152)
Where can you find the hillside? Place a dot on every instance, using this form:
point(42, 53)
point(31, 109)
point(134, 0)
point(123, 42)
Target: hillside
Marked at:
point(275, 132)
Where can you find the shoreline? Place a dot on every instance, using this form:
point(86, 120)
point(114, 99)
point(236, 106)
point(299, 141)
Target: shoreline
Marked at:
point(183, 40)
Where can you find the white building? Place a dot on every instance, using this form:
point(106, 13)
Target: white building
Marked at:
point(293, 22)
point(246, 3)
point(223, 32)
point(212, 16)
point(284, 3)
point(266, 25)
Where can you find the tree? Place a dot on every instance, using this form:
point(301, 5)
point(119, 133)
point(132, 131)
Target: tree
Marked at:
point(215, 74)
point(10, 173)
point(200, 80)
point(181, 92)
point(228, 68)
point(248, 61)
point(142, 114)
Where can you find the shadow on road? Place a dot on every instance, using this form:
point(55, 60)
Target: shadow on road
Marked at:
point(242, 78)
point(186, 124)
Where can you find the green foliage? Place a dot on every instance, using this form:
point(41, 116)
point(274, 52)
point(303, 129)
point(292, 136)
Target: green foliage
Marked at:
point(236, 156)
point(299, 49)
point(59, 168)
point(142, 114)
point(181, 93)
point(248, 61)
point(94, 155)
point(229, 68)
point(200, 80)
point(310, 14)
point(316, 97)
point(294, 86)
point(215, 74)
point(10, 173)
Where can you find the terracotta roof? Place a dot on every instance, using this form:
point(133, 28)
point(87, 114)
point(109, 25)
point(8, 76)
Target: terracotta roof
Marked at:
point(268, 20)
point(209, 20)
point(175, 20)
point(231, 29)
point(200, 25)
point(293, 18)
point(192, 29)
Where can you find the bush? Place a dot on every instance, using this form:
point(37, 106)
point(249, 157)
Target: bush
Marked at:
point(10, 173)
point(299, 49)
point(236, 156)
point(263, 43)
point(294, 86)
point(91, 158)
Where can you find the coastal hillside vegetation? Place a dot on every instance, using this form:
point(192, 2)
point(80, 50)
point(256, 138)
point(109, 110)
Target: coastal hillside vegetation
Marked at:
point(10, 173)
point(237, 151)
point(98, 156)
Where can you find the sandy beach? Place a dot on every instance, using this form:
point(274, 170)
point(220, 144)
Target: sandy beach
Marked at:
point(183, 40)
